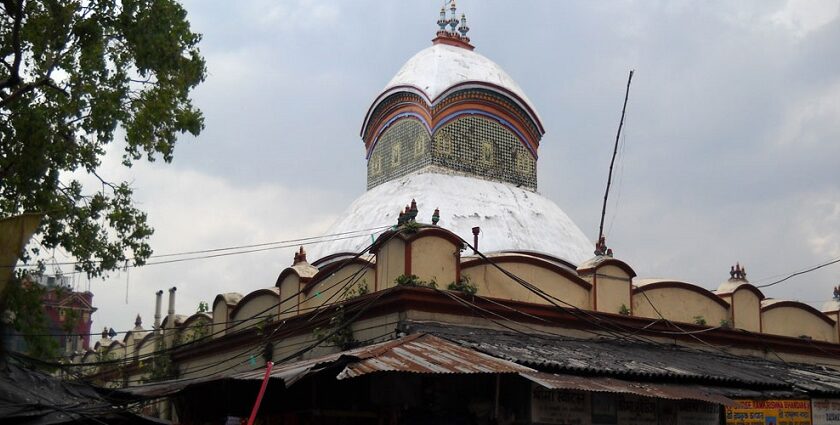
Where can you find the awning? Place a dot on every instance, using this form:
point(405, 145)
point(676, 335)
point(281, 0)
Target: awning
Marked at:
point(612, 385)
point(417, 353)
point(421, 353)
point(426, 353)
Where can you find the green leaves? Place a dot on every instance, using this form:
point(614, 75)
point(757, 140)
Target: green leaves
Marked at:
point(71, 74)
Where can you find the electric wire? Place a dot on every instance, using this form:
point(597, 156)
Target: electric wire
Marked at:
point(341, 265)
point(799, 273)
point(264, 246)
point(349, 280)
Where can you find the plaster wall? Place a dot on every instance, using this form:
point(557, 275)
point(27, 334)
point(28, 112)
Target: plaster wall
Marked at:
point(232, 359)
point(491, 282)
point(115, 351)
point(835, 315)
point(147, 346)
point(221, 313)
point(197, 328)
point(335, 288)
point(679, 305)
point(795, 322)
point(131, 344)
point(253, 311)
point(390, 263)
point(288, 288)
point(434, 259)
point(746, 311)
point(611, 290)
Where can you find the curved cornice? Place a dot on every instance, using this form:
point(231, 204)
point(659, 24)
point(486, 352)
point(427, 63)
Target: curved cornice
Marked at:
point(594, 264)
point(264, 291)
point(544, 256)
point(484, 110)
point(195, 317)
point(223, 297)
point(743, 287)
point(531, 260)
point(681, 285)
point(344, 254)
point(799, 305)
point(430, 103)
point(331, 268)
point(409, 236)
point(288, 271)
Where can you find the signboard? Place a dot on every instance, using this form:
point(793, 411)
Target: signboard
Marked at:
point(558, 407)
point(770, 412)
point(825, 411)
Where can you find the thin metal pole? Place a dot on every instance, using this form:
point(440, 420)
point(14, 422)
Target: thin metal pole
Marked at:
point(612, 162)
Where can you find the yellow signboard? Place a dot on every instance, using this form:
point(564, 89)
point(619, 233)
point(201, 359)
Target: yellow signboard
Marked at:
point(769, 412)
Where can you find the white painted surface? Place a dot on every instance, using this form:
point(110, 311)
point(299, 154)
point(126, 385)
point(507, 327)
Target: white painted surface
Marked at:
point(510, 218)
point(439, 67)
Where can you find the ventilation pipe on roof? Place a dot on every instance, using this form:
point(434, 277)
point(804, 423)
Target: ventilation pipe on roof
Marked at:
point(476, 230)
point(171, 311)
point(158, 299)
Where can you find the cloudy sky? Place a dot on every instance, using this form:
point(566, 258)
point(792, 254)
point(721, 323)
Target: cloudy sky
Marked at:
point(730, 150)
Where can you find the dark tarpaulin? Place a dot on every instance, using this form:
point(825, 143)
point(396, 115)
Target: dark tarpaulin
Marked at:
point(32, 397)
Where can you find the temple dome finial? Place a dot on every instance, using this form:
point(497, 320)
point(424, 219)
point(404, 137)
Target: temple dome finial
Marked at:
point(450, 35)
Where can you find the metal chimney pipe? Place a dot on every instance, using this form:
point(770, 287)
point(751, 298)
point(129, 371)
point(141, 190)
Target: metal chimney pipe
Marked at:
point(476, 230)
point(172, 300)
point(158, 300)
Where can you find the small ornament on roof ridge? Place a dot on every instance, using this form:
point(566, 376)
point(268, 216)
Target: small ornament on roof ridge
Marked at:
point(601, 248)
point(837, 293)
point(138, 321)
point(300, 256)
point(737, 272)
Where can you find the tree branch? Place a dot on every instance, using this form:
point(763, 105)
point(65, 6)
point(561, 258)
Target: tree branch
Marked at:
point(14, 74)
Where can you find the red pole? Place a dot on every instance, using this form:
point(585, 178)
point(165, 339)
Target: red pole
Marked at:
point(268, 367)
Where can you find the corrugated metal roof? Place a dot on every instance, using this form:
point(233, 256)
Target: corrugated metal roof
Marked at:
point(421, 353)
point(588, 365)
point(639, 360)
point(612, 385)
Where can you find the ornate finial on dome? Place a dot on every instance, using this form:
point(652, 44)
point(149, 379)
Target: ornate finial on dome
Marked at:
point(436, 216)
point(412, 212)
point(463, 28)
point(601, 247)
point(737, 272)
point(453, 21)
point(450, 35)
point(300, 256)
point(401, 218)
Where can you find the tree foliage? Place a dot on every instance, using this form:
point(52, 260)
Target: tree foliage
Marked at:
point(73, 72)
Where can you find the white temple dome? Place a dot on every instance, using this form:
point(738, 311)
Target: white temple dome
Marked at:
point(436, 69)
point(510, 218)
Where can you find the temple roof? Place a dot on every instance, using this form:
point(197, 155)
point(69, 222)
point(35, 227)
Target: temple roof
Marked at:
point(436, 69)
point(510, 218)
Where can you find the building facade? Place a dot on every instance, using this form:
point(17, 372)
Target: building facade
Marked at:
point(476, 300)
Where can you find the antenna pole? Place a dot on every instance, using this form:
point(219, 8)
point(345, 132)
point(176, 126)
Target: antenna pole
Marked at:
point(601, 245)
